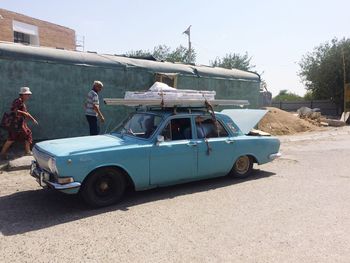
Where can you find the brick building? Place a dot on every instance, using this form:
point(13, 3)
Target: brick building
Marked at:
point(26, 30)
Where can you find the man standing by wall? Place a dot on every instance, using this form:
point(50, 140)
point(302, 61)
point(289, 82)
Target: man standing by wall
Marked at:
point(92, 108)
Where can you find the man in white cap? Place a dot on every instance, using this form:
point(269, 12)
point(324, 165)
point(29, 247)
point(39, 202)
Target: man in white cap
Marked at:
point(92, 108)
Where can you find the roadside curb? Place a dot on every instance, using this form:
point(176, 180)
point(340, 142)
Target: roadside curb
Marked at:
point(21, 163)
point(4, 166)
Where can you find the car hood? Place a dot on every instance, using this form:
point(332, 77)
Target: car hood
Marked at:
point(245, 119)
point(68, 146)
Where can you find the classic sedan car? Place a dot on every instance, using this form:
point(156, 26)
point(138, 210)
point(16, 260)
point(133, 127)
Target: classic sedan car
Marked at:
point(154, 148)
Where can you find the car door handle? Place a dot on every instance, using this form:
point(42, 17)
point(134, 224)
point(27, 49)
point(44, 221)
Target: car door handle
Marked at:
point(230, 141)
point(192, 144)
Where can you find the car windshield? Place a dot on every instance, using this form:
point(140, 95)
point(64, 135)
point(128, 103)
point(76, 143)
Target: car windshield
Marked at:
point(140, 125)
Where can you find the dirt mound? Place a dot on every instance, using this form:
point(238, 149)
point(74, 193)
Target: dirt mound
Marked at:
point(279, 122)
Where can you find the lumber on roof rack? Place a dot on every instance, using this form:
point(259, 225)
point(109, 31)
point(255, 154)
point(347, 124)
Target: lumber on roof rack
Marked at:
point(195, 103)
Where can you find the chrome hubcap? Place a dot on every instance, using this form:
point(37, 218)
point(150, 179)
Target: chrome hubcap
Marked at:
point(104, 186)
point(242, 164)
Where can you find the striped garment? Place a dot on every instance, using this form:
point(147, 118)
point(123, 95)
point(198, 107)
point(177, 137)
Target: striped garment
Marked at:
point(91, 100)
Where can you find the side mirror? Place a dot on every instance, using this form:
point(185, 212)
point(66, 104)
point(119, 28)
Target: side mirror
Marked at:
point(160, 138)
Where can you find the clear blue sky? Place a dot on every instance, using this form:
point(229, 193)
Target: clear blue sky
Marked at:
point(275, 33)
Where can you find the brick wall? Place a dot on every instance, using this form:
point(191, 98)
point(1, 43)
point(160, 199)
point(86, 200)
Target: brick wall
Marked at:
point(50, 35)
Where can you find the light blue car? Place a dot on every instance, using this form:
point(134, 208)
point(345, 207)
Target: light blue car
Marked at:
point(154, 148)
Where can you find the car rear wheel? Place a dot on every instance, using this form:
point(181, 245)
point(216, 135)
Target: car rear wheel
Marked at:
point(103, 187)
point(242, 167)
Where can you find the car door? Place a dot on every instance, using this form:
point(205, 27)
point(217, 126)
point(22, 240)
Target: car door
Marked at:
point(216, 149)
point(174, 159)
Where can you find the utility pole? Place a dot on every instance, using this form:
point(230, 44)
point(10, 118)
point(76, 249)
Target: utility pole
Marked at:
point(80, 42)
point(344, 79)
point(188, 33)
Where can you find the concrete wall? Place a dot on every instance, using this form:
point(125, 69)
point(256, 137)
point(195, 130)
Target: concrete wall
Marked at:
point(50, 35)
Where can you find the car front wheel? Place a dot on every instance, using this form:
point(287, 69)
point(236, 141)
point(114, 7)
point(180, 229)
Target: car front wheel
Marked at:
point(242, 167)
point(103, 187)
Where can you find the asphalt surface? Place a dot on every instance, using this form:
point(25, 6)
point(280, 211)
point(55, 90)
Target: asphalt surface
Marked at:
point(295, 209)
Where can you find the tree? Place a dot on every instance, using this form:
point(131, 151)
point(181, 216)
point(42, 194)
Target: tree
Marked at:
point(161, 52)
point(164, 53)
point(181, 54)
point(139, 53)
point(322, 70)
point(309, 96)
point(285, 95)
point(234, 60)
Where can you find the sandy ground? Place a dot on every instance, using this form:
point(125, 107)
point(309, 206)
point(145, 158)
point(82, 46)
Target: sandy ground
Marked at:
point(280, 122)
point(295, 209)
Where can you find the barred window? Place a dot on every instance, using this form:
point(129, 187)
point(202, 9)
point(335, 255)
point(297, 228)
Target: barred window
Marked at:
point(21, 38)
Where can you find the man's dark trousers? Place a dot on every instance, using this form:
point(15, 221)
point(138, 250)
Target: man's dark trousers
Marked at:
point(93, 125)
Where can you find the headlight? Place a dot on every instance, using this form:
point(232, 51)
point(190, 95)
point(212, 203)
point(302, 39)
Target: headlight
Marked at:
point(52, 165)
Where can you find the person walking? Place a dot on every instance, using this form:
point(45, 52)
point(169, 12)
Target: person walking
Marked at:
point(92, 108)
point(18, 129)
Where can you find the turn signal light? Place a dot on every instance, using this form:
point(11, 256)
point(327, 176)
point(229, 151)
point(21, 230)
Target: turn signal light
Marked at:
point(65, 180)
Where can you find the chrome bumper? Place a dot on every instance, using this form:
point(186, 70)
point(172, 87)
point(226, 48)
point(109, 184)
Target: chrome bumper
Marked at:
point(43, 178)
point(275, 156)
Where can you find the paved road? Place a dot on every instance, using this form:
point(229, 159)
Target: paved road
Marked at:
point(295, 209)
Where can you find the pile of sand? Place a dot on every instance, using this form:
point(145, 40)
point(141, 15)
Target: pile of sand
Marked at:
point(279, 122)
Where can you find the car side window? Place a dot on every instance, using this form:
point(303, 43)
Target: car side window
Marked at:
point(208, 128)
point(177, 129)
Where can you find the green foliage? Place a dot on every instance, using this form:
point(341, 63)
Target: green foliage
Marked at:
point(139, 53)
point(309, 95)
point(181, 54)
point(322, 71)
point(161, 52)
point(164, 53)
point(234, 60)
point(285, 95)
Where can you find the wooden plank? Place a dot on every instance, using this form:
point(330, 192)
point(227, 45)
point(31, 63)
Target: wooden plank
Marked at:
point(173, 103)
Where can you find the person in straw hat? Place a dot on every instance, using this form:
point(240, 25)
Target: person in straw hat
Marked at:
point(19, 130)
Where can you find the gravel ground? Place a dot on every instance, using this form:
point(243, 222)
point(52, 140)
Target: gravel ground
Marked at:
point(291, 210)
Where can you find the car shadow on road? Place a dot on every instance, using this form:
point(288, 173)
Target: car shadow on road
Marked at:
point(27, 211)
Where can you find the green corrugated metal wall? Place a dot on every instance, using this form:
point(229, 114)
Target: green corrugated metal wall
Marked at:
point(59, 91)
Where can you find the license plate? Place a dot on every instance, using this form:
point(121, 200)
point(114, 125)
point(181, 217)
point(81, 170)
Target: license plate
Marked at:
point(43, 178)
point(32, 168)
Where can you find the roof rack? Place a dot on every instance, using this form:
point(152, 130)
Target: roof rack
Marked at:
point(179, 103)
